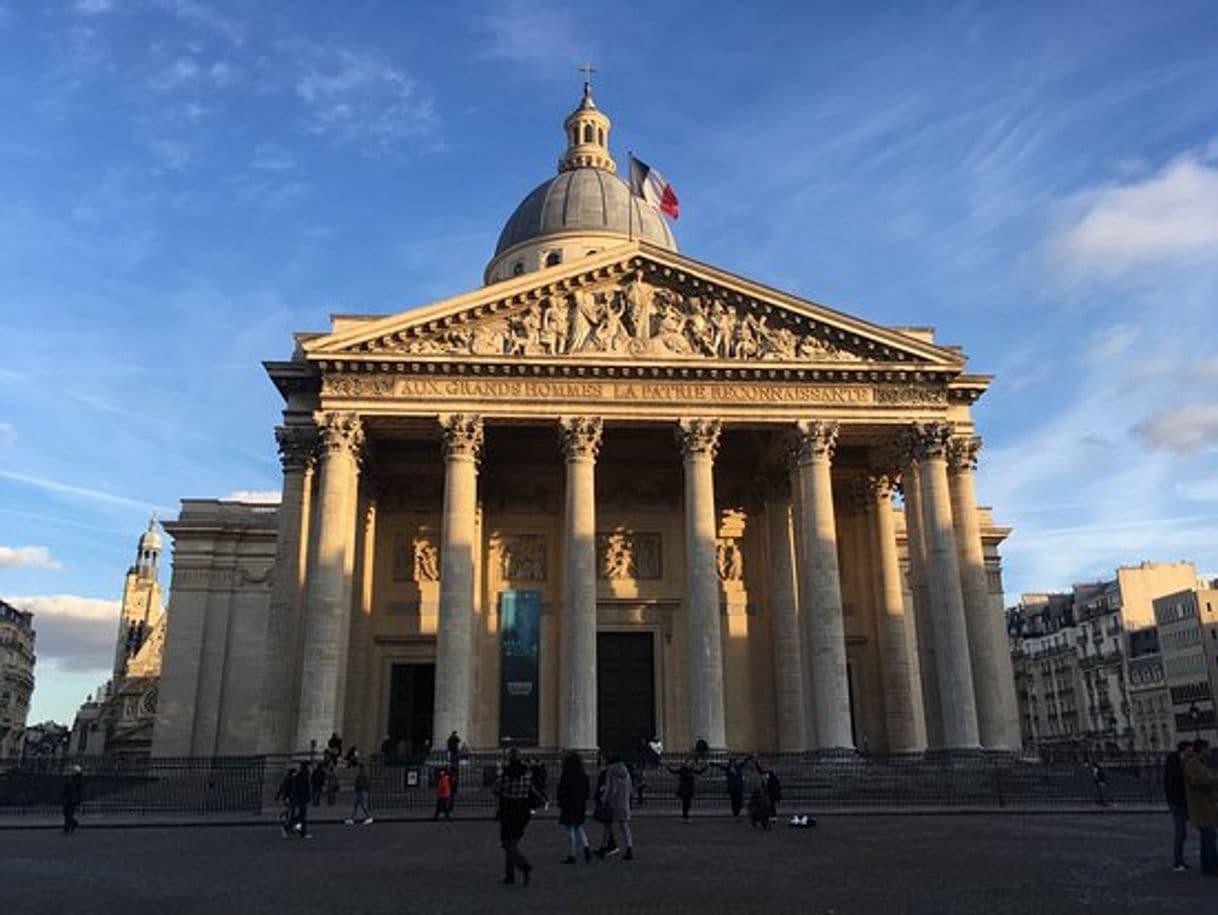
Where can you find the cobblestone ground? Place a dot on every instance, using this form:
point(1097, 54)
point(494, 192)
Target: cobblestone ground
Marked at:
point(1110, 863)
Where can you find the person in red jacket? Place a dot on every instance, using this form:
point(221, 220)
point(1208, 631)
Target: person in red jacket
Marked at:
point(444, 795)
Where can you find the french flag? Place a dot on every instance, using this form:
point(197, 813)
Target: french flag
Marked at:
point(649, 184)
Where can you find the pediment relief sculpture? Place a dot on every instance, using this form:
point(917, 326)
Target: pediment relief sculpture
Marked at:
point(635, 319)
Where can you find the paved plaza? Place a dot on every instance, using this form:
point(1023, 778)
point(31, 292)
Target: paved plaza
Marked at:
point(1109, 863)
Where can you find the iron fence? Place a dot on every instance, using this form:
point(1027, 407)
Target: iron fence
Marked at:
point(406, 787)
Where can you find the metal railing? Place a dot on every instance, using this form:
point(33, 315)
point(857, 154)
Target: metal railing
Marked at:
point(247, 785)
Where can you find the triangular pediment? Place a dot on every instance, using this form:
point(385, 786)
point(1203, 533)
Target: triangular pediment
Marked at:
point(633, 303)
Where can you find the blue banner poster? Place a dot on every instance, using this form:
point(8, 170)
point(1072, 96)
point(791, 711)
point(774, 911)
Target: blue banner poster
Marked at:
point(520, 642)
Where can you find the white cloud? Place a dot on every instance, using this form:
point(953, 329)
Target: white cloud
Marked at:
point(1184, 430)
point(81, 492)
point(8, 434)
point(206, 18)
point(361, 97)
point(77, 632)
point(15, 557)
point(93, 7)
point(260, 496)
point(1167, 217)
point(536, 33)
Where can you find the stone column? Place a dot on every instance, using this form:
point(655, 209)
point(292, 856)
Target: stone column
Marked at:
point(993, 680)
point(784, 617)
point(923, 629)
point(699, 439)
point(821, 600)
point(327, 624)
point(462, 440)
point(297, 449)
point(957, 700)
point(581, 439)
point(902, 708)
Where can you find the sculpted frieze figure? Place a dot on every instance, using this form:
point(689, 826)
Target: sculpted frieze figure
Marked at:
point(628, 556)
point(522, 557)
point(729, 559)
point(634, 319)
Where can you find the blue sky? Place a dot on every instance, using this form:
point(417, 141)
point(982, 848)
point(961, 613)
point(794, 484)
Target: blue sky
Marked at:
point(183, 183)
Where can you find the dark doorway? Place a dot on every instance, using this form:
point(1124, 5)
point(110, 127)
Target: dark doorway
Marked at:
point(625, 691)
point(412, 693)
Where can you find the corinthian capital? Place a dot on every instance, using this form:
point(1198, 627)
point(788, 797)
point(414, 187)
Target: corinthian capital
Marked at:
point(962, 453)
point(881, 486)
point(580, 435)
point(928, 441)
point(813, 439)
point(340, 431)
point(699, 437)
point(461, 434)
point(297, 446)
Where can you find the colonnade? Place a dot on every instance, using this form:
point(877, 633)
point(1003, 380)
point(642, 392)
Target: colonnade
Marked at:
point(946, 684)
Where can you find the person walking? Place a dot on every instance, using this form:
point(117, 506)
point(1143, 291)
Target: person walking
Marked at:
point(444, 795)
point(572, 796)
point(514, 790)
point(770, 784)
point(617, 794)
point(454, 748)
point(1100, 778)
point(1177, 802)
point(331, 784)
point(1201, 789)
point(317, 782)
point(733, 776)
point(687, 775)
point(287, 786)
point(302, 792)
point(72, 796)
point(361, 812)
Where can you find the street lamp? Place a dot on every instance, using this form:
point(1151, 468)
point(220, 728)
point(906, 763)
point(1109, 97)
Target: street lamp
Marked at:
point(1194, 715)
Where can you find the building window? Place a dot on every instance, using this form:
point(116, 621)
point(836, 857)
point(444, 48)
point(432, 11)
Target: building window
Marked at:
point(554, 258)
point(587, 133)
point(518, 268)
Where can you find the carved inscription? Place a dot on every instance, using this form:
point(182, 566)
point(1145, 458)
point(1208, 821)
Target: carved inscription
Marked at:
point(628, 556)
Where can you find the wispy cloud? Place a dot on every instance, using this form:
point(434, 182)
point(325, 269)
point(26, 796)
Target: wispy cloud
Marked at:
point(77, 632)
point(207, 18)
point(360, 97)
point(80, 492)
point(536, 33)
point(1184, 430)
point(260, 496)
point(14, 557)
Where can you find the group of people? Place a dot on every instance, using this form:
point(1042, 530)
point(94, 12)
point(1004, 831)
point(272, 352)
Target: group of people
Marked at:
point(304, 785)
point(1190, 784)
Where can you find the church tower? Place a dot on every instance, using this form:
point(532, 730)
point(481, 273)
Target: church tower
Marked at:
point(141, 605)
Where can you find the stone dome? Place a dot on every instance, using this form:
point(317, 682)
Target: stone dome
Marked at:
point(583, 209)
point(584, 200)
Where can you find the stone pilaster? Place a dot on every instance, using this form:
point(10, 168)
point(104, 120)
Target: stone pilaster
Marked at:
point(789, 688)
point(821, 600)
point(281, 677)
point(462, 443)
point(993, 680)
point(699, 439)
point(327, 623)
point(957, 699)
point(581, 440)
point(902, 708)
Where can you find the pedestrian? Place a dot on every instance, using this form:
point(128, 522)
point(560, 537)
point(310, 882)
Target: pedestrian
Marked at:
point(1177, 802)
point(318, 781)
point(454, 748)
point(334, 747)
point(444, 795)
point(733, 776)
point(331, 785)
point(73, 796)
point(1100, 778)
point(287, 787)
point(770, 784)
point(617, 794)
point(759, 809)
point(572, 795)
point(655, 749)
point(687, 774)
point(537, 769)
point(351, 757)
point(514, 791)
point(360, 809)
point(302, 791)
point(1200, 781)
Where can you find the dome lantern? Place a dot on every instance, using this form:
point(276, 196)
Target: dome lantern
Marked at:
point(587, 131)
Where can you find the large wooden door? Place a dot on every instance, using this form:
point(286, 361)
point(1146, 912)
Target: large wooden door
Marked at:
point(412, 692)
point(625, 691)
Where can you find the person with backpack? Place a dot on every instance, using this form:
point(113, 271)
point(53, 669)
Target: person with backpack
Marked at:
point(616, 811)
point(360, 811)
point(572, 795)
point(514, 790)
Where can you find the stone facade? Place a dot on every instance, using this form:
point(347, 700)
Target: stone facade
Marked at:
point(1075, 664)
point(16, 676)
point(747, 518)
point(1188, 635)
